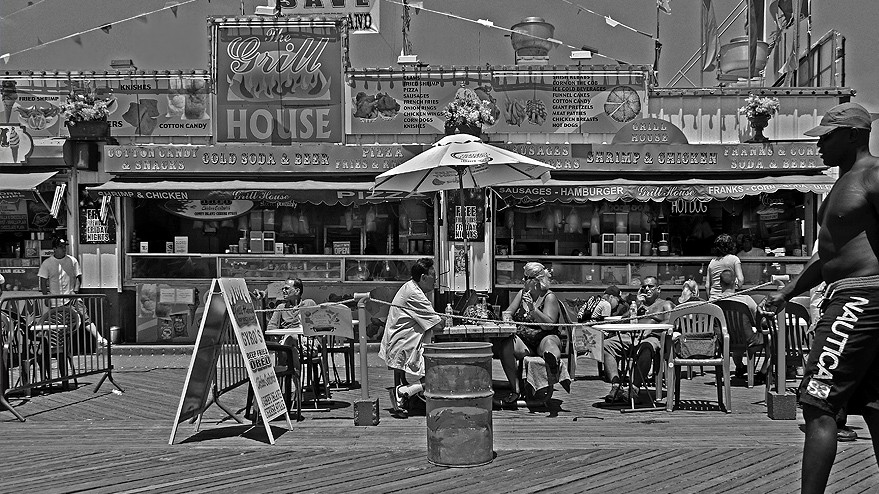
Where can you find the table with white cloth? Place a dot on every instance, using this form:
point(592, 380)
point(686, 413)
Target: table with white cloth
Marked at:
point(637, 331)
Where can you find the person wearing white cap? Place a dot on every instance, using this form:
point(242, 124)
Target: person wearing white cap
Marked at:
point(842, 370)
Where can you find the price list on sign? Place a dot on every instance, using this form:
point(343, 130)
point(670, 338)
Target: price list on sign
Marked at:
point(92, 231)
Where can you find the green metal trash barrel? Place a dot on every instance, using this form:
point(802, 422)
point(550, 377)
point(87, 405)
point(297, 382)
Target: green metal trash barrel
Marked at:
point(457, 387)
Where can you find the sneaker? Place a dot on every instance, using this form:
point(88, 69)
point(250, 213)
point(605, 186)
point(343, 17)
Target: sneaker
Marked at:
point(397, 402)
point(846, 434)
point(615, 393)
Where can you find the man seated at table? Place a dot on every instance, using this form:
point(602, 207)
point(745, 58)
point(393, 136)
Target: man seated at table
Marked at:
point(652, 310)
point(411, 323)
point(755, 338)
point(286, 315)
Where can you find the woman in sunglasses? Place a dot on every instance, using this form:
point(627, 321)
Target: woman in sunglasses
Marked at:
point(533, 306)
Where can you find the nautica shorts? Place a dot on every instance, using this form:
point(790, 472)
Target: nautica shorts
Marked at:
point(843, 369)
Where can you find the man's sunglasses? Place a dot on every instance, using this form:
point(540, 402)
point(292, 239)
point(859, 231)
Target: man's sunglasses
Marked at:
point(647, 287)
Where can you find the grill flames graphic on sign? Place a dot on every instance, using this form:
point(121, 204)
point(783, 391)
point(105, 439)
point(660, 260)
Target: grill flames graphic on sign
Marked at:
point(255, 73)
point(279, 83)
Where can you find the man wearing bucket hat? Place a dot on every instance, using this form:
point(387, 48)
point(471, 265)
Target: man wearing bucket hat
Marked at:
point(841, 371)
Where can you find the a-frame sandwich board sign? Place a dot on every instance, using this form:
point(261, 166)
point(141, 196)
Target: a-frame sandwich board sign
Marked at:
point(229, 296)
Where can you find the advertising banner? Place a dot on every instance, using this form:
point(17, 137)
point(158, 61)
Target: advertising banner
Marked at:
point(167, 160)
point(278, 82)
point(34, 104)
point(362, 15)
point(157, 106)
point(16, 144)
point(565, 101)
point(148, 105)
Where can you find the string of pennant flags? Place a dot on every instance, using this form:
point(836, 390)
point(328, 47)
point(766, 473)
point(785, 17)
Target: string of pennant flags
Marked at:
point(76, 37)
point(173, 5)
point(491, 25)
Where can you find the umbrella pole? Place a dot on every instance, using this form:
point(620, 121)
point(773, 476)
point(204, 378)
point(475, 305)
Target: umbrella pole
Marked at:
point(460, 171)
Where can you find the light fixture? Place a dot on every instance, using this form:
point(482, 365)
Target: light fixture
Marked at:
point(407, 59)
point(581, 54)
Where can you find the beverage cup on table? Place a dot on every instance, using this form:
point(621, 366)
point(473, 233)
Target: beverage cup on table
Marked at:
point(496, 310)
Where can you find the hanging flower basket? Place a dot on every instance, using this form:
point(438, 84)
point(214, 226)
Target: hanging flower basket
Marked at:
point(86, 116)
point(466, 114)
point(89, 129)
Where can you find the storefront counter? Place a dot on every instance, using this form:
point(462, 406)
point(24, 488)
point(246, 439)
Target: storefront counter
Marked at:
point(170, 289)
point(20, 274)
point(594, 273)
point(267, 268)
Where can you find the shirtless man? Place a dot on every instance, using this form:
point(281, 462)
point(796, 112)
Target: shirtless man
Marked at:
point(842, 369)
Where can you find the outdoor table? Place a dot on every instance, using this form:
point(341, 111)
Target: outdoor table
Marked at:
point(637, 330)
point(325, 367)
point(482, 332)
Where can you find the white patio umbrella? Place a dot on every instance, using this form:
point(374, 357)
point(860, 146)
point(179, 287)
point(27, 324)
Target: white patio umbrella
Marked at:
point(461, 161)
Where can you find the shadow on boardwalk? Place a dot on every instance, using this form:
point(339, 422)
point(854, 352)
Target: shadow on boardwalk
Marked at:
point(110, 442)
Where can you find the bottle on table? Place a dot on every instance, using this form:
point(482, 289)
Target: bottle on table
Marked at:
point(633, 312)
point(449, 312)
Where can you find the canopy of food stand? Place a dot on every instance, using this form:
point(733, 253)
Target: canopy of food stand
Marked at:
point(659, 189)
point(21, 185)
point(311, 191)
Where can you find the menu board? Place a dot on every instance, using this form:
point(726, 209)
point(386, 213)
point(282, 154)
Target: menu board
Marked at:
point(566, 101)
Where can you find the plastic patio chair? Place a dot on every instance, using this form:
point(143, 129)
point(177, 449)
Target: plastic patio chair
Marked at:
point(699, 318)
point(59, 327)
point(740, 322)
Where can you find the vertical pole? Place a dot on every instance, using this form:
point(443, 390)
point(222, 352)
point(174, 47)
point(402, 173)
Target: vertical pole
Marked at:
point(702, 41)
point(657, 47)
point(460, 170)
point(364, 365)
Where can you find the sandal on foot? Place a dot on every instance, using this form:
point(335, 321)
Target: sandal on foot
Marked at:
point(614, 394)
point(510, 399)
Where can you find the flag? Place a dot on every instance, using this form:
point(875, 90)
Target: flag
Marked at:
point(709, 36)
point(787, 10)
point(664, 5)
point(754, 28)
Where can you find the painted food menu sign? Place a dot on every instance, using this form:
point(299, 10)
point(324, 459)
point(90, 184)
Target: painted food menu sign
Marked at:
point(570, 101)
point(278, 82)
point(166, 105)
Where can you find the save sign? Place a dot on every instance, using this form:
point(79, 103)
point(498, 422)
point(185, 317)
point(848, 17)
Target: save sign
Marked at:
point(278, 82)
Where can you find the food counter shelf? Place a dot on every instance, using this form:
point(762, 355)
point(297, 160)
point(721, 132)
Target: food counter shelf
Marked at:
point(326, 268)
point(596, 272)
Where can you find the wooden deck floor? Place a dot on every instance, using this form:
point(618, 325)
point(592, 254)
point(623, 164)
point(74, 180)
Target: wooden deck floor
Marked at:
point(78, 441)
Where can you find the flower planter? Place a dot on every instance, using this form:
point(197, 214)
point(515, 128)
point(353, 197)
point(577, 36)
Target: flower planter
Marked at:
point(92, 130)
point(758, 123)
point(474, 130)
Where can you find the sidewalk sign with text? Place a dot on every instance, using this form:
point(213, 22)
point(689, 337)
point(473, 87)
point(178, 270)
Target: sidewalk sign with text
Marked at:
point(230, 298)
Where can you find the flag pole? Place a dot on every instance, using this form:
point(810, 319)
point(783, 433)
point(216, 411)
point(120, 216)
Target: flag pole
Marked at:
point(657, 46)
point(702, 44)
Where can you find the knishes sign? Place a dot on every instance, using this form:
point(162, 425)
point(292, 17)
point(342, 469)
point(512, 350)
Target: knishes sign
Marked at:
point(278, 82)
